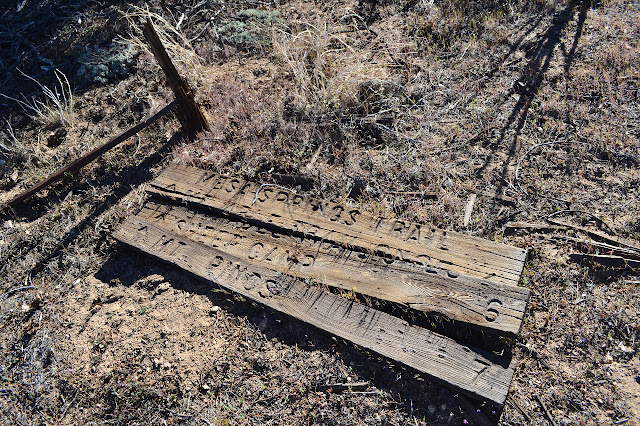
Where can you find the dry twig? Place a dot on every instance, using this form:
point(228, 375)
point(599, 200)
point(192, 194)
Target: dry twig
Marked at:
point(519, 407)
point(545, 410)
point(596, 234)
point(16, 290)
point(594, 217)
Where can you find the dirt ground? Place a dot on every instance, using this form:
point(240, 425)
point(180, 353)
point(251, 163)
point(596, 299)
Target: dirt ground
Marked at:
point(406, 109)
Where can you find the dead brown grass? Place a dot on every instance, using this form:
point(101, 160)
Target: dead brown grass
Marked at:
point(406, 108)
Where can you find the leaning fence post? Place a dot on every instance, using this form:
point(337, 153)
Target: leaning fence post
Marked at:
point(189, 114)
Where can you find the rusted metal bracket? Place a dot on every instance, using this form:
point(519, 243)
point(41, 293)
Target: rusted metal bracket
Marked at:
point(188, 112)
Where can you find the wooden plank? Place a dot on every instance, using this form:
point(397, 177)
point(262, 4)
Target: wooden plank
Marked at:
point(189, 114)
point(470, 370)
point(87, 158)
point(274, 207)
point(471, 300)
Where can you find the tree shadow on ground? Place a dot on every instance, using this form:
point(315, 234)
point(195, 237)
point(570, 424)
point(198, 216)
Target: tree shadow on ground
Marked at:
point(530, 81)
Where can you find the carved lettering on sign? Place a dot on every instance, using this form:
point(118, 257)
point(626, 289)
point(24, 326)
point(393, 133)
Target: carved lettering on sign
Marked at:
point(229, 265)
point(308, 258)
point(347, 248)
point(492, 310)
point(323, 220)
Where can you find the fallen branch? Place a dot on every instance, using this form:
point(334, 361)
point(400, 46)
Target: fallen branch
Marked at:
point(515, 402)
point(613, 244)
point(605, 248)
point(593, 216)
point(15, 290)
point(597, 234)
point(604, 260)
point(545, 410)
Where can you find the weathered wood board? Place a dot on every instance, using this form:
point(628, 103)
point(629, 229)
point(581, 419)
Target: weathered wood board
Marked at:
point(281, 249)
point(463, 298)
point(467, 369)
point(322, 220)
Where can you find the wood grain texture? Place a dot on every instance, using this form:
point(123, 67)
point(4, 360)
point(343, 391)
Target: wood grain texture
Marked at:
point(463, 368)
point(274, 207)
point(467, 299)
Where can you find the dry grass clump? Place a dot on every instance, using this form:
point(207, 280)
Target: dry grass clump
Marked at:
point(56, 107)
point(178, 46)
point(326, 66)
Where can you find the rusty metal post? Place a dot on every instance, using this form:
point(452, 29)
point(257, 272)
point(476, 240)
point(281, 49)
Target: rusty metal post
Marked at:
point(87, 158)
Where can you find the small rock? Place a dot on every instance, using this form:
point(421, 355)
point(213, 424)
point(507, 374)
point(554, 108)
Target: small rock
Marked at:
point(56, 138)
point(162, 363)
point(262, 325)
point(608, 359)
point(625, 349)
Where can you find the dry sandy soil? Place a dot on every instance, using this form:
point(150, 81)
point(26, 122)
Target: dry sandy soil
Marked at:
point(403, 108)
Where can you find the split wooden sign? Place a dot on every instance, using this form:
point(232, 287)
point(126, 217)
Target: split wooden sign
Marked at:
point(284, 249)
